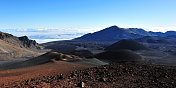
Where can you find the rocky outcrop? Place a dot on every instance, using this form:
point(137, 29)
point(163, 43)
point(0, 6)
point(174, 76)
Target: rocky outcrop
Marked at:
point(16, 47)
point(29, 43)
point(23, 41)
point(5, 35)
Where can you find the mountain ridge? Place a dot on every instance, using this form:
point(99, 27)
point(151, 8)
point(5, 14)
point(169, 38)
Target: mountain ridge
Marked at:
point(22, 41)
point(115, 33)
point(17, 47)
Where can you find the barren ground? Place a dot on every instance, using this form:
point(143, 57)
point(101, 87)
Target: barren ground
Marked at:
point(116, 75)
point(17, 75)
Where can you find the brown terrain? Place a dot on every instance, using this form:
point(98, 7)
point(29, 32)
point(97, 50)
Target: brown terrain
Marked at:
point(16, 76)
point(116, 75)
point(15, 47)
point(116, 67)
point(42, 59)
point(9, 51)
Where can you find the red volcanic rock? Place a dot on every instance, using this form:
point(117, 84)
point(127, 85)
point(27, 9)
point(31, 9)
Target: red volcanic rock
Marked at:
point(116, 75)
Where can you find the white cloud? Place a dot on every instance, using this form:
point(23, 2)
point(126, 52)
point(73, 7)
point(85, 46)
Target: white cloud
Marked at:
point(48, 40)
point(73, 30)
point(63, 33)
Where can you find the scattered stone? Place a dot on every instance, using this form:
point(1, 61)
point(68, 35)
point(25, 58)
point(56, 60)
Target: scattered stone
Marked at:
point(122, 75)
point(81, 84)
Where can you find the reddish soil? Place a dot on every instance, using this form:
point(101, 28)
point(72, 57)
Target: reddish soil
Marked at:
point(49, 69)
point(117, 75)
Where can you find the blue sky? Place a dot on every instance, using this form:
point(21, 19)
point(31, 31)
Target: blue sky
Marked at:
point(87, 15)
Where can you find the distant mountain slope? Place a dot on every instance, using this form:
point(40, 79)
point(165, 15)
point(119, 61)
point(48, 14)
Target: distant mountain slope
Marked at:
point(171, 38)
point(140, 32)
point(103, 38)
point(115, 33)
point(14, 47)
point(153, 39)
point(112, 33)
point(170, 33)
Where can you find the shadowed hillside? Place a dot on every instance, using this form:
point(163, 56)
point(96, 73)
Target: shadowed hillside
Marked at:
point(118, 56)
point(127, 44)
point(43, 59)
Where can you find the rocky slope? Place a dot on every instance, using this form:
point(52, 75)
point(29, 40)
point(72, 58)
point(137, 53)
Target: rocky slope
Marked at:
point(23, 41)
point(116, 75)
point(112, 33)
point(14, 47)
point(116, 33)
point(154, 39)
point(8, 77)
point(103, 38)
point(42, 59)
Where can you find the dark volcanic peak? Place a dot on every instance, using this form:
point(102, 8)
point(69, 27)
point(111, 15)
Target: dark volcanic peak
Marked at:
point(126, 44)
point(112, 28)
point(112, 33)
point(118, 56)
